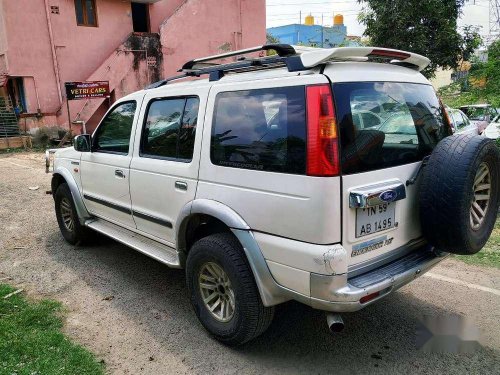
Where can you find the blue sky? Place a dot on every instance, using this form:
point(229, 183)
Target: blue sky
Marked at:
point(283, 12)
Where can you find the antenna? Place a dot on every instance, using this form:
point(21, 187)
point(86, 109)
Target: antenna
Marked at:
point(494, 21)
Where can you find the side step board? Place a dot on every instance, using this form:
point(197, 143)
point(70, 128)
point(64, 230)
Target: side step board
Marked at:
point(162, 253)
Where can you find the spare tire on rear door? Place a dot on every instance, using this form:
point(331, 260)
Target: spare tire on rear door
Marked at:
point(459, 193)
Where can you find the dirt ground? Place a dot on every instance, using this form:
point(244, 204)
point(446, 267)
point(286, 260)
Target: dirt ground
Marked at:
point(134, 314)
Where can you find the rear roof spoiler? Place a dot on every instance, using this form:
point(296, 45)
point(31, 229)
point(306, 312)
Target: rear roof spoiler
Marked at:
point(311, 57)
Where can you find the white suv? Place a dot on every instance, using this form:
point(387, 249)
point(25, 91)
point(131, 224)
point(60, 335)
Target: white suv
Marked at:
point(293, 176)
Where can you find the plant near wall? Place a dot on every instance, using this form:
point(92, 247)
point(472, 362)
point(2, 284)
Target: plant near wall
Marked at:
point(426, 27)
point(45, 137)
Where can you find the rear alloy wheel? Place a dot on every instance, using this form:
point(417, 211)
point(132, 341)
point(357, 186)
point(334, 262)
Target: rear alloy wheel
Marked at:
point(223, 291)
point(217, 292)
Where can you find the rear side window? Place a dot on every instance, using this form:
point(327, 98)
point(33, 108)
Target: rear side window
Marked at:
point(262, 129)
point(170, 128)
point(385, 124)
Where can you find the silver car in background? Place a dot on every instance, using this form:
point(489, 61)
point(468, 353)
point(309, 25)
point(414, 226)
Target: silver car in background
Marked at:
point(461, 123)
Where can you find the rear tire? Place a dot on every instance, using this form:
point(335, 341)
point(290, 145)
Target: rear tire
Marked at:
point(67, 218)
point(217, 269)
point(459, 194)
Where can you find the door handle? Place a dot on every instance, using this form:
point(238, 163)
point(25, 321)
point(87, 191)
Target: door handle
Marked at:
point(119, 173)
point(181, 185)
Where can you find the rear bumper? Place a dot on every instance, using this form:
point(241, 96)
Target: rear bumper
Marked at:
point(336, 290)
point(340, 293)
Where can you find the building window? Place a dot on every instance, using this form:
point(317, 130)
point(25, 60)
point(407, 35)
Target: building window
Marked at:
point(86, 13)
point(15, 89)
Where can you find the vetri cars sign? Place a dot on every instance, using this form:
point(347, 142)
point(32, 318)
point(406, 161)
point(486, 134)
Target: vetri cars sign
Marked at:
point(87, 90)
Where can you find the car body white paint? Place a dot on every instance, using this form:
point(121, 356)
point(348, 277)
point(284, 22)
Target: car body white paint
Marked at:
point(302, 225)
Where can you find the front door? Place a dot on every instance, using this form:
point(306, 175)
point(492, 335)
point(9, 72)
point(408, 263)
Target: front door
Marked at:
point(164, 169)
point(105, 170)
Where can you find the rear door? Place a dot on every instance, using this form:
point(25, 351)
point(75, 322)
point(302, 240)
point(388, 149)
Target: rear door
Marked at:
point(380, 208)
point(164, 167)
point(254, 157)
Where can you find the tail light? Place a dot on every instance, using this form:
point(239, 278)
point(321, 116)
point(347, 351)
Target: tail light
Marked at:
point(322, 138)
point(397, 55)
point(369, 297)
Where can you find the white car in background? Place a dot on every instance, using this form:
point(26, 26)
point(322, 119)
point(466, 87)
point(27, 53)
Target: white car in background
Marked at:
point(461, 123)
point(493, 129)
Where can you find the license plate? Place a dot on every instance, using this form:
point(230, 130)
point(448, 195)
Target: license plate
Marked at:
point(375, 219)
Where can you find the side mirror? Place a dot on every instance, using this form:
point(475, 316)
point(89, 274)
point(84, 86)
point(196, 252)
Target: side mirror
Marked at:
point(82, 143)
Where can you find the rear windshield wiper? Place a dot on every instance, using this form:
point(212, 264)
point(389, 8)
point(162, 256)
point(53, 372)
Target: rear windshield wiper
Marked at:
point(414, 179)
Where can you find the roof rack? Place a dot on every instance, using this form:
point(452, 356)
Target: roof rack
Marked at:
point(295, 58)
point(282, 50)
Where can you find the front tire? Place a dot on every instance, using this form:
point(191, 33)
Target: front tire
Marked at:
point(67, 218)
point(223, 291)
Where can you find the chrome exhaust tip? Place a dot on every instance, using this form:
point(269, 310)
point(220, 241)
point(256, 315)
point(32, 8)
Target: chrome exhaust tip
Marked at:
point(334, 322)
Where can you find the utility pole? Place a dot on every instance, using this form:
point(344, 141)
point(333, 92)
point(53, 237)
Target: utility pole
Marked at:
point(322, 31)
point(494, 20)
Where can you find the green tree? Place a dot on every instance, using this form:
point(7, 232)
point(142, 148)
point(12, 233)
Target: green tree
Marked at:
point(489, 71)
point(271, 39)
point(426, 27)
point(481, 85)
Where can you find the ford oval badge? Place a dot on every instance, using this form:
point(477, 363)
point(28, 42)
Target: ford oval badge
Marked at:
point(388, 195)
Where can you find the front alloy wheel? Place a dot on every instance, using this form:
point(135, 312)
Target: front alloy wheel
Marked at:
point(67, 214)
point(67, 218)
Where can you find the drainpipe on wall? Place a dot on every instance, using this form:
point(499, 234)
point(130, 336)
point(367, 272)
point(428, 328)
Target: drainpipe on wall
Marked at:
point(54, 55)
point(239, 35)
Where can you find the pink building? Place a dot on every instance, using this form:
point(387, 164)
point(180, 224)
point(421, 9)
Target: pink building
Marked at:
point(45, 43)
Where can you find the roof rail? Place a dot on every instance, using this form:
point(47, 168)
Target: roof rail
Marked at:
point(282, 50)
point(295, 58)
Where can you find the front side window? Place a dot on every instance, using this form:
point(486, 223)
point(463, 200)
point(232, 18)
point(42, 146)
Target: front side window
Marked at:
point(385, 124)
point(86, 13)
point(170, 128)
point(113, 135)
point(262, 129)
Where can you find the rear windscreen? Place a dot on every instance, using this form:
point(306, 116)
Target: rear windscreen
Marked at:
point(385, 124)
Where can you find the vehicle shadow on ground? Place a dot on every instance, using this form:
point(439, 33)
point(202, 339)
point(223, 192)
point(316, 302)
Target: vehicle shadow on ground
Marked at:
point(380, 338)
